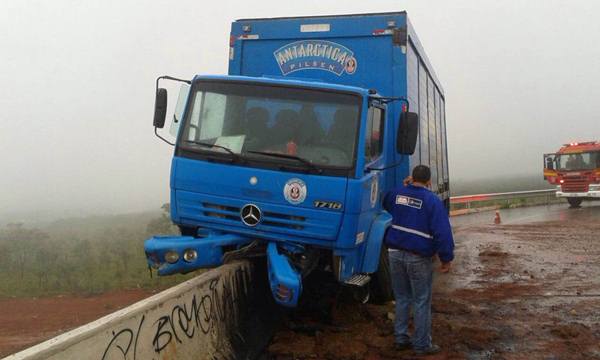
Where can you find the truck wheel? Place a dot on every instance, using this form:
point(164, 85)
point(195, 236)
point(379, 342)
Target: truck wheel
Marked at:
point(574, 202)
point(381, 284)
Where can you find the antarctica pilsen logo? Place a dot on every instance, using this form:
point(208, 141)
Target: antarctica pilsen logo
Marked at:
point(317, 55)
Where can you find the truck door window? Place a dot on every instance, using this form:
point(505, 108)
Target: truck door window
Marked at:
point(184, 91)
point(374, 134)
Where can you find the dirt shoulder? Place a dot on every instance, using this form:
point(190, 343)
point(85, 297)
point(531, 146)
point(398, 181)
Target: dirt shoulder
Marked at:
point(26, 322)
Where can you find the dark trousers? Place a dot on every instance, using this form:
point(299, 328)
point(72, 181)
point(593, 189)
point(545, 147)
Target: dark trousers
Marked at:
point(412, 278)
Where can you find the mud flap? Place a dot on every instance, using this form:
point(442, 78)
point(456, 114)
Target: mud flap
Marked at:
point(285, 282)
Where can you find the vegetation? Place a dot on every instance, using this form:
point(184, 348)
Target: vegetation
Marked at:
point(85, 255)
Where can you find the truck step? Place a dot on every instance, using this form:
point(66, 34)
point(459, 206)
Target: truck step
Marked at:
point(358, 280)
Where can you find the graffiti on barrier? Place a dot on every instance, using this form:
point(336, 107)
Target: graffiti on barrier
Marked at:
point(207, 317)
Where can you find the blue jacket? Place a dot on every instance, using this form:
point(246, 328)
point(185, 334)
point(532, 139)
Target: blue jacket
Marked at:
point(420, 222)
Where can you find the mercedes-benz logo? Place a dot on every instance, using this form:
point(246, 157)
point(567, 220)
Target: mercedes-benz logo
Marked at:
point(251, 215)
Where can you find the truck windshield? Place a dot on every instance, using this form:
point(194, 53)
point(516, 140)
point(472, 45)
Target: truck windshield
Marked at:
point(255, 121)
point(578, 161)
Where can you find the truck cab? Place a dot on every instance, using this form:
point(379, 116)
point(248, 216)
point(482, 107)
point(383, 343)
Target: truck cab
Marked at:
point(575, 170)
point(289, 155)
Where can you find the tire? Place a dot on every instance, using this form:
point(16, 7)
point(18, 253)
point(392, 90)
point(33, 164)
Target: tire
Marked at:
point(574, 202)
point(381, 283)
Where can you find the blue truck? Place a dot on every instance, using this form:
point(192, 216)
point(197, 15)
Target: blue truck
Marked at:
point(289, 155)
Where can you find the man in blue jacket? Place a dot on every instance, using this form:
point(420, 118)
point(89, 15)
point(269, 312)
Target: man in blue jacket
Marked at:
point(420, 230)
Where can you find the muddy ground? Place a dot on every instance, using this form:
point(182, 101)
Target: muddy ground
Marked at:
point(517, 291)
point(26, 322)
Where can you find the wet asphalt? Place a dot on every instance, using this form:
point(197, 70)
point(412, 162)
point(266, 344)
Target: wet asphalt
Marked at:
point(556, 212)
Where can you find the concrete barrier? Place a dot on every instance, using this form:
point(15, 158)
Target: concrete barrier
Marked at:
point(225, 313)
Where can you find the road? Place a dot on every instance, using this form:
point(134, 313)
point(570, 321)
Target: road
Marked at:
point(528, 288)
point(531, 214)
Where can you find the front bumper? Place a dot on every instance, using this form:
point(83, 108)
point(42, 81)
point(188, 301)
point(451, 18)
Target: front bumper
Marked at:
point(589, 194)
point(209, 249)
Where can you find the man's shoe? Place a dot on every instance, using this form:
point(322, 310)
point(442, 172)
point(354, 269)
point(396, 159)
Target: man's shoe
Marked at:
point(433, 349)
point(402, 346)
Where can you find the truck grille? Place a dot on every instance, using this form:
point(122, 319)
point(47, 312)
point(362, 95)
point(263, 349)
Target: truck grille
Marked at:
point(269, 218)
point(575, 184)
point(279, 221)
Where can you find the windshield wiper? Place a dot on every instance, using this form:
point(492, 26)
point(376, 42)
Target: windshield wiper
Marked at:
point(209, 145)
point(287, 156)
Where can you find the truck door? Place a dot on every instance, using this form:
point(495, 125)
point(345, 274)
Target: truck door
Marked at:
point(549, 162)
point(375, 181)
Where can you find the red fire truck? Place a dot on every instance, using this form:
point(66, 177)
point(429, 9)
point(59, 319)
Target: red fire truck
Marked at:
point(575, 170)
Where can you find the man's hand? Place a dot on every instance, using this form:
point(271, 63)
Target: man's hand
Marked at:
point(407, 180)
point(445, 267)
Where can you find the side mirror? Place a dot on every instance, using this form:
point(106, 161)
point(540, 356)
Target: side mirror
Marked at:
point(549, 163)
point(408, 131)
point(160, 108)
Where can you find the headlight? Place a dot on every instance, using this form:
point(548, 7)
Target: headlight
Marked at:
point(190, 255)
point(595, 187)
point(171, 257)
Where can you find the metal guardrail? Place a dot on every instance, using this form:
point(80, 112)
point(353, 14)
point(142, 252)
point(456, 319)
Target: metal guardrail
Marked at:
point(500, 196)
point(467, 204)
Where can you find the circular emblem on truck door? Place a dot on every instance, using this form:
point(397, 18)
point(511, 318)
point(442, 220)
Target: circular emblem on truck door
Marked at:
point(251, 215)
point(294, 191)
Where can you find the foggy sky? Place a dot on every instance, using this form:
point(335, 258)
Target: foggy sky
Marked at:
point(77, 94)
